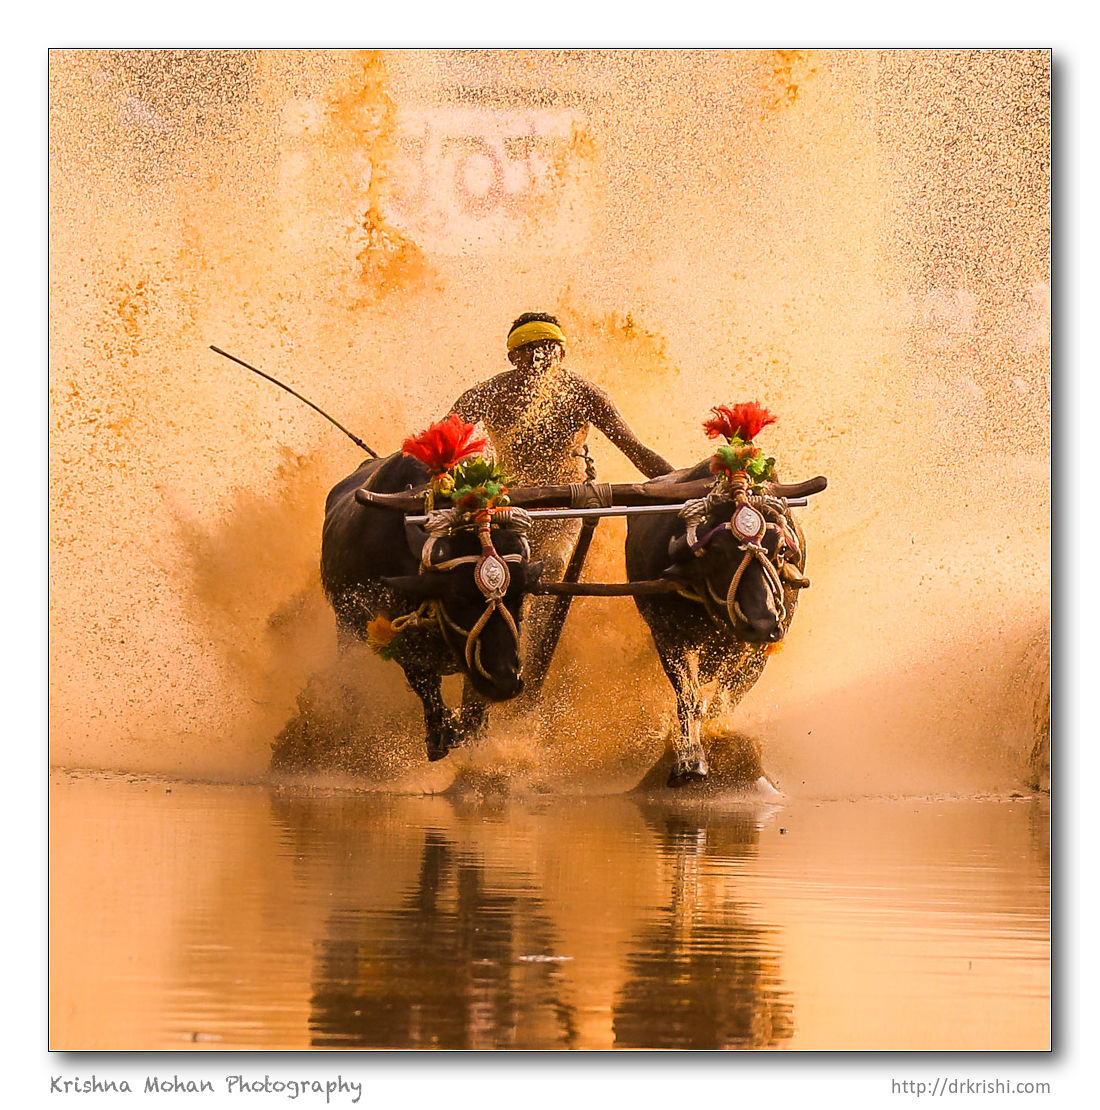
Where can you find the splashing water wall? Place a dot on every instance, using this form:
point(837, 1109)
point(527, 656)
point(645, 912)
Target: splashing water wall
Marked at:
point(858, 239)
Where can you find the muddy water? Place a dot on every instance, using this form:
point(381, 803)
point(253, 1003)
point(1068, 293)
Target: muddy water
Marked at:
point(858, 239)
point(211, 916)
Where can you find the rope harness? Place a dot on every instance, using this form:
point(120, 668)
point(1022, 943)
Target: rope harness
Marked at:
point(753, 515)
point(491, 572)
point(491, 575)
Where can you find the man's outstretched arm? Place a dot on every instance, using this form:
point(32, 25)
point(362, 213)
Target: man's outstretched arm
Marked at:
point(469, 406)
point(607, 418)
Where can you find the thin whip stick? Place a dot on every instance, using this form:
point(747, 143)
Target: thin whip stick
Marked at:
point(351, 435)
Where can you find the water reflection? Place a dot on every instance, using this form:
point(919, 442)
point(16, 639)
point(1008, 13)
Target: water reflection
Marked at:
point(443, 969)
point(703, 964)
point(471, 954)
point(247, 918)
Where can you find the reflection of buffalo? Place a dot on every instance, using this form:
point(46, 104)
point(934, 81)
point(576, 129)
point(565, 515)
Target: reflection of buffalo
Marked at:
point(739, 564)
point(702, 976)
point(443, 928)
point(445, 973)
point(374, 564)
point(440, 954)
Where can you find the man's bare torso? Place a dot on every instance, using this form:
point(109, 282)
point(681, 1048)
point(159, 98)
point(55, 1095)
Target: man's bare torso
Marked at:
point(536, 422)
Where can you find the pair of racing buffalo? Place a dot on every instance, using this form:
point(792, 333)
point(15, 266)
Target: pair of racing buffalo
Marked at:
point(715, 583)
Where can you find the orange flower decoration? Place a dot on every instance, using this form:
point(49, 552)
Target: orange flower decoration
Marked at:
point(745, 420)
point(444, 444)
point(380, 632)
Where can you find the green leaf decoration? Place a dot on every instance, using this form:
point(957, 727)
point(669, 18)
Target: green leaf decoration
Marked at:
point(738, 456)
point(478, 484)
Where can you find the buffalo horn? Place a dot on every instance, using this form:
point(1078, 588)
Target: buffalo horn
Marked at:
point(422, 586)
point(793, 577)
point(798, 489)
point(402, 502)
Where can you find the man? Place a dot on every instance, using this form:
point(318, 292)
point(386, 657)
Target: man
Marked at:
point(538, 414)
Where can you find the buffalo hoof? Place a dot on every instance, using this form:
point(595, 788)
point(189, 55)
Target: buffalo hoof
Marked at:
point(440, 743)
point(694, 770)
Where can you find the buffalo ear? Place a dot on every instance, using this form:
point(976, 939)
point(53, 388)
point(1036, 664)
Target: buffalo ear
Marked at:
point(679, 551)
point(678, 572)
point(423, 586)
point(534, 571)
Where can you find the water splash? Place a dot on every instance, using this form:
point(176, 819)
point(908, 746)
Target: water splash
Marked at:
point(859, 239)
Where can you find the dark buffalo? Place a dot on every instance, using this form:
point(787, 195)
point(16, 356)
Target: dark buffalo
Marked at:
point(374, 563)
point(739, 595)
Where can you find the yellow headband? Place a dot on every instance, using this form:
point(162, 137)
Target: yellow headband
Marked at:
point(534, 332)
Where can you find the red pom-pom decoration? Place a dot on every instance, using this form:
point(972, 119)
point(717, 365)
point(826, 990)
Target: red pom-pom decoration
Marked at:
point(444, 444)
point(745, 420)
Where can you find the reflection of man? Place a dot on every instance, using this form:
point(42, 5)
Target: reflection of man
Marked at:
point(538, 414)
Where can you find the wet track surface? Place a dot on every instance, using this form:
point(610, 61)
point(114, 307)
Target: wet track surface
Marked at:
point(220, 916)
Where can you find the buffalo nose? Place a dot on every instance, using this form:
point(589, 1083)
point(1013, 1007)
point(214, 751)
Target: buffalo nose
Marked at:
point(507, 687)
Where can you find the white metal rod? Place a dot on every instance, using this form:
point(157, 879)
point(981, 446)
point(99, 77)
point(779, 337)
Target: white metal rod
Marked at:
point(614, 510)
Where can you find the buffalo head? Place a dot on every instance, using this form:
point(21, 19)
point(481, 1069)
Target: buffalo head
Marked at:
point(478, 581)
point(738, 564)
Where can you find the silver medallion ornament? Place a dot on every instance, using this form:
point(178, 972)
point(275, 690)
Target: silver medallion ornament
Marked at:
point(747, 523)
point(491, 575)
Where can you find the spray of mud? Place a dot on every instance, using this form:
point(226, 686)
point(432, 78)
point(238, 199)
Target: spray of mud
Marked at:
point(858, 239)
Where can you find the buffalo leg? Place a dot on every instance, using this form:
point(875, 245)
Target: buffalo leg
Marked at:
point(689, 761)
point(474, 713)
point(738, 673)
point(443, 731)
point(736, 676)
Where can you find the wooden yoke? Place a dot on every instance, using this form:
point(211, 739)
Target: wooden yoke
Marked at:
point(552, 497)
point(622, 493)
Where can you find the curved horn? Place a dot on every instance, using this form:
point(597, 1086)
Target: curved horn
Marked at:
point(419, 586)
point(798, 489)
point(402, 502)
point(793, 577)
